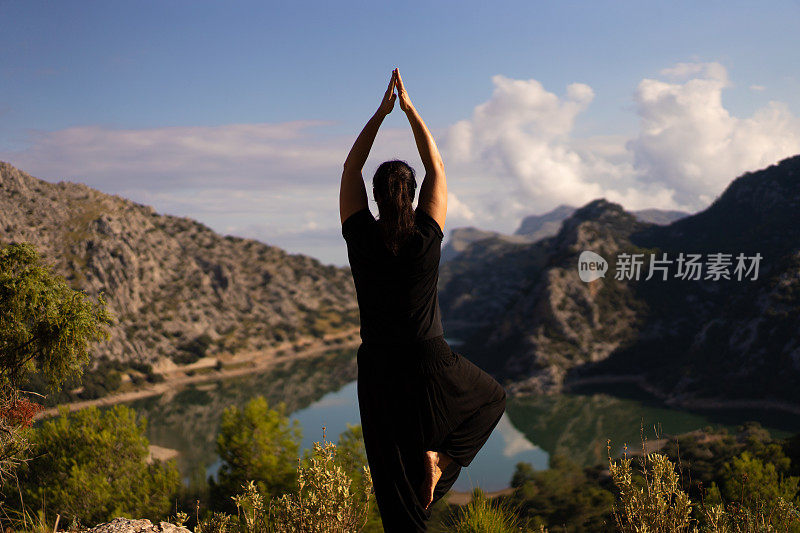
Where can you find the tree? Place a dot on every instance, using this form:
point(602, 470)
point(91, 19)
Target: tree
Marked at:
point(44, 324)
point(46, 327)
point(255, 444)
point(564, 496)
point(754, 483)
point(92, 465)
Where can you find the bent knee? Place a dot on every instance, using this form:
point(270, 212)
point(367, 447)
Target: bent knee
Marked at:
point(497, 403)
point(500, 395)
point(500, 401)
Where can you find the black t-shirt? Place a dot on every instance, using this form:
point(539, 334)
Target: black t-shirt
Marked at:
point(397, 295)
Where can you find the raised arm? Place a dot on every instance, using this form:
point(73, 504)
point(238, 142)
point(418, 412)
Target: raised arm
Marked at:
point(433, 191)
point(352, 193)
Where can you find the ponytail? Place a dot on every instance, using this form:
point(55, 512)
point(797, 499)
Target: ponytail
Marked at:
point(394, 186)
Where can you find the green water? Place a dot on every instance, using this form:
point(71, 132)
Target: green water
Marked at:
point(322, 392)
point(581, 425)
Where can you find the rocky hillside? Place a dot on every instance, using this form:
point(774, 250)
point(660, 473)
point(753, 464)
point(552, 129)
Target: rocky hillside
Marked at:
point(178, 289)
point(526, 316)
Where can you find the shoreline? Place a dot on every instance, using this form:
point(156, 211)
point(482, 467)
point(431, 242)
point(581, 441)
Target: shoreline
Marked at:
point(238, 365)
point(235, 365)
point(689, 403)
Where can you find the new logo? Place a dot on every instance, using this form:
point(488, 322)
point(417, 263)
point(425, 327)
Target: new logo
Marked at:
point(591, 266)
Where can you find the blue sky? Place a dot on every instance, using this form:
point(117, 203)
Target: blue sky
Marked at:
point(239, 114)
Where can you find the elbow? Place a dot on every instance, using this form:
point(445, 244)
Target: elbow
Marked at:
point(435, 167)
point(438, 164)
point(351, 168)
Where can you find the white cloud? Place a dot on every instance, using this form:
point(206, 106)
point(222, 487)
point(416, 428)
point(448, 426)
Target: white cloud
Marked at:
point(457, 208)
point(516, 154)
point(515, 442)
point(691, 144)
point(255, 155)
point(275, 182)
point(713, 71)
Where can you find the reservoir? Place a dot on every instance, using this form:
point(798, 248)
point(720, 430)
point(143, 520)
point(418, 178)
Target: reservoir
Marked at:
point(322, 392)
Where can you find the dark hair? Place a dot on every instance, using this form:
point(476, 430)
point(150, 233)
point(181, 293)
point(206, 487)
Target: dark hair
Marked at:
point(394, 186)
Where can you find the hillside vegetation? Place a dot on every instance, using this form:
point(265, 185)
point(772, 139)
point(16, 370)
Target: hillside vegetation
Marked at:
point(178, 289)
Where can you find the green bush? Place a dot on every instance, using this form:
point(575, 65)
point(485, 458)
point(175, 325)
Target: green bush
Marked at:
point(323, 501)
point(257, 444)
point(564, 496)
point(483, 515)
point(654, 500)
point(193, 350)
point(657, 503)
point(91, 465)
point(154, 377)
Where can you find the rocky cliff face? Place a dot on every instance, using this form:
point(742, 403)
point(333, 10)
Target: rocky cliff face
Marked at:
point(175, 286)
point(525, 315)
point(524, 312)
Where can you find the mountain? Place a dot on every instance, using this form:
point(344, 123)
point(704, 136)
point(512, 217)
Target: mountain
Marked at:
point(537, 227)
point(524, 314)
point(178, 289)
point(540, 226)
point(545, 225)
point(461, 238)
point(661, 217)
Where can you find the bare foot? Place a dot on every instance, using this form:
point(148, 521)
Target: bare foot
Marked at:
point(434, 464)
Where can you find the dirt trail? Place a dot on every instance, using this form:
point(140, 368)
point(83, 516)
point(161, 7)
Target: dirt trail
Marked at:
point(246, 363)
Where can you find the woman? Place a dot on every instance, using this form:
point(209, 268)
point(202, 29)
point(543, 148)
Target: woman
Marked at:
point(425, 410)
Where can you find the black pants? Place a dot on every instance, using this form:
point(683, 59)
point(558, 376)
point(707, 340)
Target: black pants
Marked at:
point(415, 397)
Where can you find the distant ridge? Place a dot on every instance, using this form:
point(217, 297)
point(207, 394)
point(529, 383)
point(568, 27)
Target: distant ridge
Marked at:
point(537, 227)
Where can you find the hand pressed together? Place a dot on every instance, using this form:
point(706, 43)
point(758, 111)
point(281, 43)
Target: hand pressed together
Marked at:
point(389, 97)
point(405, 101)
point(387, 104)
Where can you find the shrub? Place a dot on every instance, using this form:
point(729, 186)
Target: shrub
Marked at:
point(482, 514)
point(193, 350)
point(155, 377)
point(322, 502)
point(754, 483)
point(257, 444)
point(656, 504)
point(652, 499)
point(564, 496)
point(92, 465)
